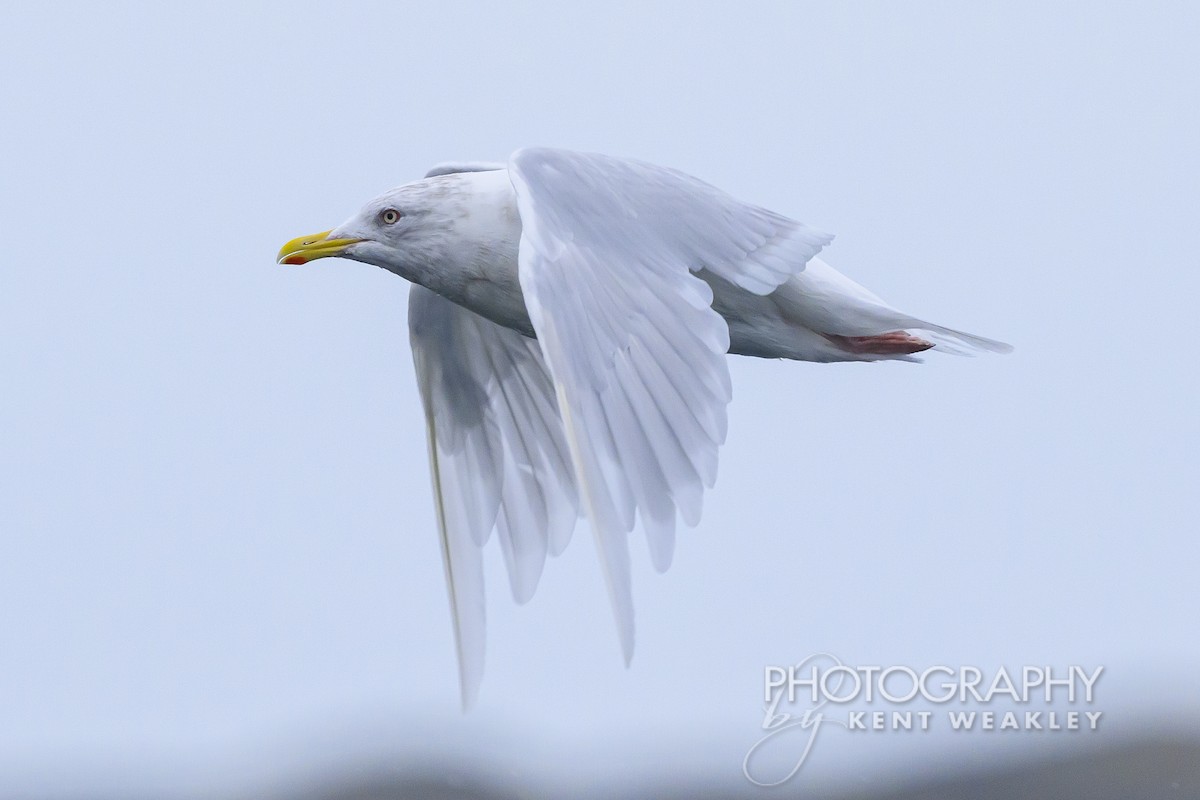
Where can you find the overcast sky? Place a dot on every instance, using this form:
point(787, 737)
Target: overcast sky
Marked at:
point(217, 543)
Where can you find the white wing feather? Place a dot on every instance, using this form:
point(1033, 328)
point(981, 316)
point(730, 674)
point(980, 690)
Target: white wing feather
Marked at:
point(454, 167)
point(607, 251)
point(497, 455)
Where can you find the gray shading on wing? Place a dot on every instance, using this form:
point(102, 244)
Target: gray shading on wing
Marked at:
point(498, 458)
point(454, 167)
point(607, 252)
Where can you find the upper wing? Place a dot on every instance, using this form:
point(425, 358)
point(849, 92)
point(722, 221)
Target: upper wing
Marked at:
point(452, 167)
point(497, 455)
point(607, 251)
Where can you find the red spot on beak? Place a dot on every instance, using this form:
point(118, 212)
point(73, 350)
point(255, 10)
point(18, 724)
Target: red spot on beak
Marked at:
point(295, 258)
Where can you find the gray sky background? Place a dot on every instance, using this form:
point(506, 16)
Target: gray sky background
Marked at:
point(217, 544)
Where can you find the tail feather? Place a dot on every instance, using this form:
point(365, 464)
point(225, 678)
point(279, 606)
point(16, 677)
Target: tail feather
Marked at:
point(949, 340)
point(861, 325)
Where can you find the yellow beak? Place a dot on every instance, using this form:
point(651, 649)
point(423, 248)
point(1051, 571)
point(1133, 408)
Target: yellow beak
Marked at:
point(303, 249)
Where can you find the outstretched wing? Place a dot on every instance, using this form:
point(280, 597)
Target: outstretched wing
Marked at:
point(498, 457)
point(607, 251)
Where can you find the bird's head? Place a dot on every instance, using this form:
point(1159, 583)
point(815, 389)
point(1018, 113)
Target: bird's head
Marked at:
point(400, 230)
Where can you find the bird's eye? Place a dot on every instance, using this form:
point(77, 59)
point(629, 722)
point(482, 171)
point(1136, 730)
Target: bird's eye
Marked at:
point(389, 216)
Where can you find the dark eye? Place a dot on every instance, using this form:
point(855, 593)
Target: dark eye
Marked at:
point(389, 216)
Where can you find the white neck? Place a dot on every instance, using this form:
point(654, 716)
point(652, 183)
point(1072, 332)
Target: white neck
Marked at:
point(474, 263)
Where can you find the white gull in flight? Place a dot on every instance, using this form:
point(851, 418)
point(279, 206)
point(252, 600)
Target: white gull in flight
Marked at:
point(569, 321)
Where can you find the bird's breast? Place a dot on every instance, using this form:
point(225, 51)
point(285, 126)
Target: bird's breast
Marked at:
point(494, 291)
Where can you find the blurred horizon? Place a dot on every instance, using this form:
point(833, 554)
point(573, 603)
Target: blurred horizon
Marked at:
point(1153, 762)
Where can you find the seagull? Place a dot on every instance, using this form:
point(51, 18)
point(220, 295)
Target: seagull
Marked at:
point(569, 319)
